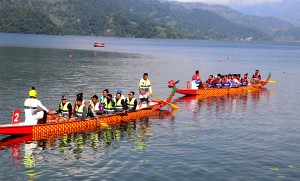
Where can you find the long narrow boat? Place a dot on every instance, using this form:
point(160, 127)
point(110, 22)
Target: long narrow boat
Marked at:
point(205, 92)
point(44, 131)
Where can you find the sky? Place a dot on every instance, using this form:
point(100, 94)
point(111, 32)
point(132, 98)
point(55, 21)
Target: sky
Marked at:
point(234, 2)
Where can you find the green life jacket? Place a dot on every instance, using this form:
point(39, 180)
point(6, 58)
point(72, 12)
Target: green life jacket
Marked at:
point(64, 109)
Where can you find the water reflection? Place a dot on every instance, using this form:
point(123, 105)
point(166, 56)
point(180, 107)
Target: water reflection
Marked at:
point(222, 104)
point(133, 136)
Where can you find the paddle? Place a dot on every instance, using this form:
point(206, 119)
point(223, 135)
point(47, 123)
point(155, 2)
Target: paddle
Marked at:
point(270, 81)
point(171, 104)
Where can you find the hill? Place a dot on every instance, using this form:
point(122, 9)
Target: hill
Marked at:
point(139, 19)
point(276, 28)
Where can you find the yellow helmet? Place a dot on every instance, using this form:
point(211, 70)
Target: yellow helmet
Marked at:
point(32, 93)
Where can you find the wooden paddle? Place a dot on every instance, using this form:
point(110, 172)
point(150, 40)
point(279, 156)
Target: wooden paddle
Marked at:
point(171, 104)
point(270, 81)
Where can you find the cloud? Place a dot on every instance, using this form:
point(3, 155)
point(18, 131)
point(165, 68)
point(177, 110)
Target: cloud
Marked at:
point(233, 2)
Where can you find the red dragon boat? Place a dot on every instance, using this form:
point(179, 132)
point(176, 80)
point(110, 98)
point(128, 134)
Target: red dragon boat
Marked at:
point(205, 92)
point(44, 131)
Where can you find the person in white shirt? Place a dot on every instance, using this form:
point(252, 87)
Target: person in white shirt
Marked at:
point(31, 105)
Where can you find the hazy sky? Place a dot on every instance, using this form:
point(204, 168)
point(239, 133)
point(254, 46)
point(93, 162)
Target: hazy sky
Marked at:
point(233, 2)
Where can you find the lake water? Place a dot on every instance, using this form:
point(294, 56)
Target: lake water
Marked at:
point(254, 136)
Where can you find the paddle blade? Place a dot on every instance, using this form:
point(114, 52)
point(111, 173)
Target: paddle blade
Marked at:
point(174, 105)
point(272, 81)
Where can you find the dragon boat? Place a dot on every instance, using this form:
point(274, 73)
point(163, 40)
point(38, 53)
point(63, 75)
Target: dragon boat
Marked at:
point(206, 92)
point(44, 131)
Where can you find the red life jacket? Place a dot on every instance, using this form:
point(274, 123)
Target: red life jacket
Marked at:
point(244, 80)
point(217, 81)
point(257, 76)
point(209, 81)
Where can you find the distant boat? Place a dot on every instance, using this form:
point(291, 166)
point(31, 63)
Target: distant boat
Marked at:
point(99, 44)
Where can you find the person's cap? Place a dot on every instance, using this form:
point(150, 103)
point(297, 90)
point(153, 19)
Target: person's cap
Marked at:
point(64, 98)
point(119, 91)
point(32, 92)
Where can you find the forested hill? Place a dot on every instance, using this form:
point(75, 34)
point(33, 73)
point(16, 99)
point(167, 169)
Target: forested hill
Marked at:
point(124, 18)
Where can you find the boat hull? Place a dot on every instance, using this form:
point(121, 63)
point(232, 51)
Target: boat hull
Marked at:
point(218, 91)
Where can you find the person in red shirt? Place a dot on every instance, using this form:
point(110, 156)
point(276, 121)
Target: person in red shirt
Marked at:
point(196, 80)
point(256, 78)
point(210, 81)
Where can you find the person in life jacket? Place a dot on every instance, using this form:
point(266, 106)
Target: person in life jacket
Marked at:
point(120, 104)
point(196, 80)
point(256, 78)
point(233, 81)
point(225, 81)
point(65, 107)
point(64, 111)
point(80, 109)
point(218, 81)
point(131, 101)
point(31, 105)
point(103, 97)
point(144, 88)
point(210, 81)
point(108, 105)
point(245, 80)
point(119, 91)
point(79, 95)
point(95, 108)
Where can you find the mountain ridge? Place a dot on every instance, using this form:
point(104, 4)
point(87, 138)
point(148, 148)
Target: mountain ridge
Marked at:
point(143, 19)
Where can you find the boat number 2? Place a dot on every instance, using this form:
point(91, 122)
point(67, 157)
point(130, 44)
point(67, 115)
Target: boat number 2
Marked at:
point(16, 117)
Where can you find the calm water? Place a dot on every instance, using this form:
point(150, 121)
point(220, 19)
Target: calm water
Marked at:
point(254, 136)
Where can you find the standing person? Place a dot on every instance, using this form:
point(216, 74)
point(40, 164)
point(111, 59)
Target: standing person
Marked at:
point(80, 109)
point(120, 104)
point(196, 80)
point(31, 105)
point(131, 101)
point(144, 87)
point(95, 107)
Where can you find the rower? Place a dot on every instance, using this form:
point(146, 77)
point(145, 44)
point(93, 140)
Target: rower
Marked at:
point(65, 107)
point(256, 78)
point(31, 105)
point(103, 97)
point(95, 107)
point(108, 105)
point(245, 80)
point(131, 101)
point(120, 104)
point(119, 91)
point(79, 95)
point(64, 111)
point(80, 109)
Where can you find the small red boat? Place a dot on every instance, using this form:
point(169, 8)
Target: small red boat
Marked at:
point(99, 44)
